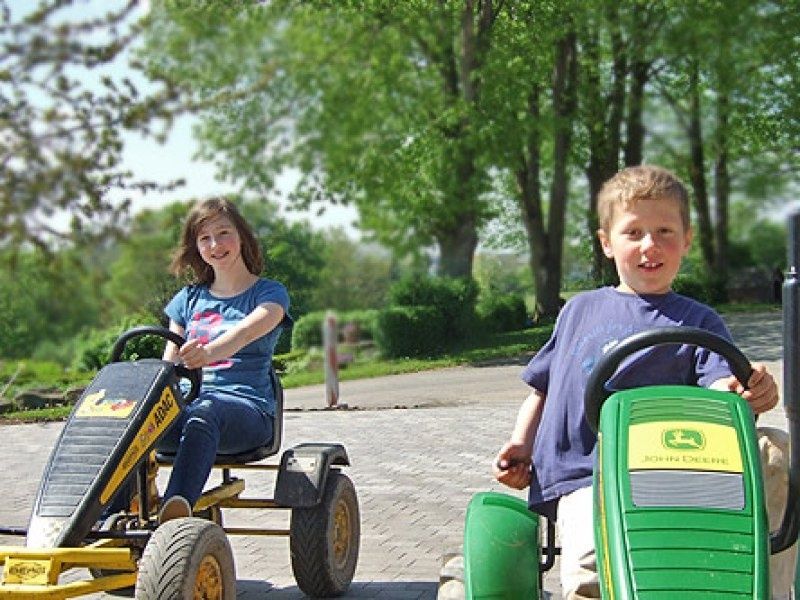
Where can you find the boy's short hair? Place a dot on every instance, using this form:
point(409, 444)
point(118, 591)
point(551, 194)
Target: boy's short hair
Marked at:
point(642, 182)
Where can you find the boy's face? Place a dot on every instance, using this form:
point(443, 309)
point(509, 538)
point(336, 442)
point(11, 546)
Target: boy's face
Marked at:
point(647, 242)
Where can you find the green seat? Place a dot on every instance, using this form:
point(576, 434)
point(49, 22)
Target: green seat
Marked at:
point(501, 548)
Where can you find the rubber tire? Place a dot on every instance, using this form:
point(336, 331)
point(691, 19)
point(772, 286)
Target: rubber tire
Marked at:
point(324, 540)
point(172, 559)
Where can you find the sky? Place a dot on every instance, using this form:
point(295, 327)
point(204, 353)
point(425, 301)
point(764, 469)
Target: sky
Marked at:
point(149, 160)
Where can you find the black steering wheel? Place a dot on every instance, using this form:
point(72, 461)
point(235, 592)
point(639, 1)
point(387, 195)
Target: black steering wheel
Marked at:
point(195, 376)
point(596, 392)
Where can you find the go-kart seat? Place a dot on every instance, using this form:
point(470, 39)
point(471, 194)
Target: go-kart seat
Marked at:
point(255, 454)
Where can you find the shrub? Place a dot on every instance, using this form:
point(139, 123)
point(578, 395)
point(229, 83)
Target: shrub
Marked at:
point(453, 298)
point(366, 320)
point(284, 343)
point(693, 287)
point(307, 331)
point(405, 331)
point(93, 351)
point(501, 312)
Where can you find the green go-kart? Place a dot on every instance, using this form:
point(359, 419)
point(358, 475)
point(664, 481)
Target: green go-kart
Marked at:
point(679, 500)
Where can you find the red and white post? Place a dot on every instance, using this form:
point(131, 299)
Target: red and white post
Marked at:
point(330, 336)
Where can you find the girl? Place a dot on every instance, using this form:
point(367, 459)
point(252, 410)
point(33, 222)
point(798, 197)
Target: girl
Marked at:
point(231, 319)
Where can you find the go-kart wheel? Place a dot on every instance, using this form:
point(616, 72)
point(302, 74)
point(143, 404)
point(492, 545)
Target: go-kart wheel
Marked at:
point(195, 376)
point(596, 393)
point(187, 558)
point(324, 540)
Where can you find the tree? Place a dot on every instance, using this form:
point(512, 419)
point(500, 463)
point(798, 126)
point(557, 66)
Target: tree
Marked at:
point(139, 280)
point(354, 276)
point(44, 300)
point(62, 115)
point(725, 112)
point(377, 103)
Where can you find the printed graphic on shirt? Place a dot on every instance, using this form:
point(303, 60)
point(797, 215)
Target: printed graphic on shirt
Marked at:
point(206, 326)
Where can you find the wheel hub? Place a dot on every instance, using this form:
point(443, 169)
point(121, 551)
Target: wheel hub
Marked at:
point(341, 534)
point(208, 583)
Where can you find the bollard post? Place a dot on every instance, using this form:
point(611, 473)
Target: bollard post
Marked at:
point(329, 340)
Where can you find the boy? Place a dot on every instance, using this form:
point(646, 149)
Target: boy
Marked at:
point(644, 220)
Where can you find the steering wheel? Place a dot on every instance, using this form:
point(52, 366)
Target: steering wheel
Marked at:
point(195, 376)
point(596, 392)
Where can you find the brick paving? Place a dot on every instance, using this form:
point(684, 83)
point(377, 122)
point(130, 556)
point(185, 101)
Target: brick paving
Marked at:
point(414, 470)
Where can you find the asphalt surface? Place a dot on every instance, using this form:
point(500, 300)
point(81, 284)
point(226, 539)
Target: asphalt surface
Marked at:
point(420, 446)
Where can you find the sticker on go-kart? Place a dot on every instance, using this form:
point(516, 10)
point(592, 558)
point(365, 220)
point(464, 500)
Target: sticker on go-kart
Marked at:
point(28, 571)
point(691, 445)
point(100, 405)
point(165, 411)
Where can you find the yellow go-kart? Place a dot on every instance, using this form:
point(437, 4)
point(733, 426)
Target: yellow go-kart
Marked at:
point(110, 442)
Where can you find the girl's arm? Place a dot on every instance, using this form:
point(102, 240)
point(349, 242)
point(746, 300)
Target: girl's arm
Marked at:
point(171, 350)
point(263, 319)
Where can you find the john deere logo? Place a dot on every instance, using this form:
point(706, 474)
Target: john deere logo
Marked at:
point(683, 439)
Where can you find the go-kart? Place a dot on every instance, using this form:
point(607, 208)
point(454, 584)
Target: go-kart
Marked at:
point(109, 445)
point(679, 507)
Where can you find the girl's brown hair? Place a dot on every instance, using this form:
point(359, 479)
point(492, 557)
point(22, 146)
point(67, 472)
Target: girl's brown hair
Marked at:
point(187, 257)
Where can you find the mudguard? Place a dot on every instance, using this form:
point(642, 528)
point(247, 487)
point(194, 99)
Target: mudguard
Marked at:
point(501, 548)
point(303, 472)
point(119, 418)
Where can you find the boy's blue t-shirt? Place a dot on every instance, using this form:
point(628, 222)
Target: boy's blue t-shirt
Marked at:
point(588, 326)
point(206, 317)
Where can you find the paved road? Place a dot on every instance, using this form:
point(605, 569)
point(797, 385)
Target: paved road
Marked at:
point(420, 446)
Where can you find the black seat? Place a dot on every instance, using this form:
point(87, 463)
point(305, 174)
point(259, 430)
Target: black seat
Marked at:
point(256, 454)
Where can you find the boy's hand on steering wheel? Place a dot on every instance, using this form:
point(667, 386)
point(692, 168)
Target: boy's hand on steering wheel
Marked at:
point(512, 466)
point(762, 392)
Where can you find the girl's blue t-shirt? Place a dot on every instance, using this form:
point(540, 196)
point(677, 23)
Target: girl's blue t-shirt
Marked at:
point(205, 317)
point(589, 325)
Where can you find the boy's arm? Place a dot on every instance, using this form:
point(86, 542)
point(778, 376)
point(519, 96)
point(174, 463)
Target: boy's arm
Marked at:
point(512, 464)
point(762, 392)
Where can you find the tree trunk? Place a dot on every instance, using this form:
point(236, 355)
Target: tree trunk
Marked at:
point(697, 169)
point(634, 143)
point(605, 115)
point(457, 237)
point(722, 186)
point(457, 249)
point(640, 73)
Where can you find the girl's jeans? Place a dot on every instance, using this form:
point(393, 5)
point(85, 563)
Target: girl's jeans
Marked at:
point(213, 423)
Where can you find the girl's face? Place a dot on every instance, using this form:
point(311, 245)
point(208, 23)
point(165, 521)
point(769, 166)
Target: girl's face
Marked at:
point(218, 242)
point(647, 242)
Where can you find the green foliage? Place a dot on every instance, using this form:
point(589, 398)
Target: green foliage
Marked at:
point(44, 299)
point(293, 252)
point(353, 276)
point(501, 312)
point(139, 280)
point(66, 108)
point(307, 330)
point(453, 298)
point(418, 331)
point(365, 320)
point(94, 350)
point(693, 286)
point(28, 374)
